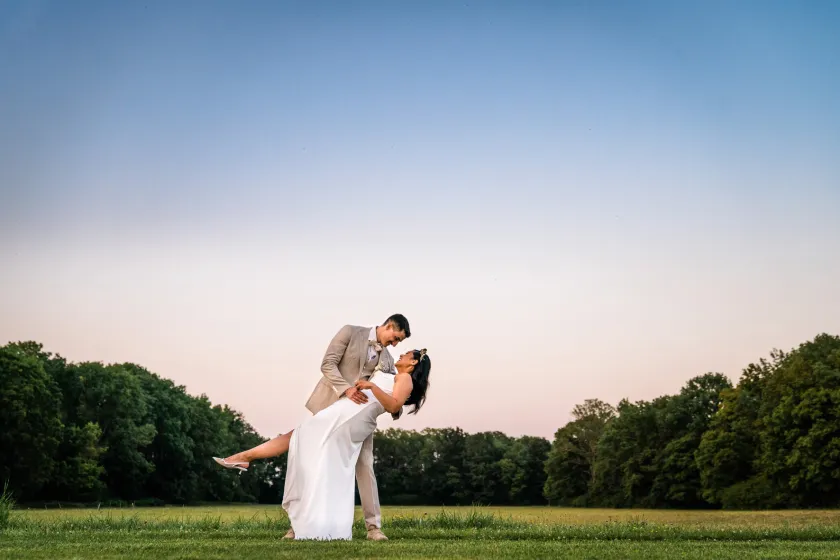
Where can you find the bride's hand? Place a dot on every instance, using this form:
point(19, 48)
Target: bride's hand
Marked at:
point(362, 384)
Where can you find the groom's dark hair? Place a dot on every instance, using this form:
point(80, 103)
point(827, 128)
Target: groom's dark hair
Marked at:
point(400, 322)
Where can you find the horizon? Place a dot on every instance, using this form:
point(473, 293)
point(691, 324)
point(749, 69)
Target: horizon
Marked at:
point(566, 200)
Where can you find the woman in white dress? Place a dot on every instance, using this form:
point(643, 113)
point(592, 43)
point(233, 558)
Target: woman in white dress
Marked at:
point(323, 450)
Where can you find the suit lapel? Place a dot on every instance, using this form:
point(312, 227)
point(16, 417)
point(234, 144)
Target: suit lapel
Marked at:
point(389, 361)
point(362, 346)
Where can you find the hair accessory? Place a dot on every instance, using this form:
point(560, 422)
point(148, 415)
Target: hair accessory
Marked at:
point(422, 354)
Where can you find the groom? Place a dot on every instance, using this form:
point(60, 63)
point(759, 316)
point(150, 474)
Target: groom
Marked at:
point(355, 353)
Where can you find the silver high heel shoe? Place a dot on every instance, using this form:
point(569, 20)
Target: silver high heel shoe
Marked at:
point(237, 465)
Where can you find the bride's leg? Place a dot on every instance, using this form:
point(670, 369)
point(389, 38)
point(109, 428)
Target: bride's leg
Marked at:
point(272, 448)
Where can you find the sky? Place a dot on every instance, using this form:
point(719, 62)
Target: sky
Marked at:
point(568, 200)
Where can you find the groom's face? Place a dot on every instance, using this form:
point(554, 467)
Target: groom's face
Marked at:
point(391, 336)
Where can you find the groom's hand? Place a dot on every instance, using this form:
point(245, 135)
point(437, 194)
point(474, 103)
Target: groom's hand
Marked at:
point(356, 396)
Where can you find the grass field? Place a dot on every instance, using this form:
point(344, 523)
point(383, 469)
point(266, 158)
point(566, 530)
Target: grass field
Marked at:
point(234, 532)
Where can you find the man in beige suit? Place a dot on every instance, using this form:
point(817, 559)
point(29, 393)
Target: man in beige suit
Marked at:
point(356, 353)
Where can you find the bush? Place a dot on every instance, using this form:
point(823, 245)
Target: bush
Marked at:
point(755, 493)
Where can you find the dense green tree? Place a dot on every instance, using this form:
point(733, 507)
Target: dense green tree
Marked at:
point(646, 455)
point(417, 467)
point(122, 432)
point(443, 466)
point(30, 422)
point(77, 474)
point(483, 476)
point(78, 471)
point(168, 409)
point(570, 463)
point(113, 398)
point(774, 442)
point(728, 449)
point(685, 419)
point(398, 463)
point(800, 425)
point(624, 470)
point(523, 470)
point(214, 431)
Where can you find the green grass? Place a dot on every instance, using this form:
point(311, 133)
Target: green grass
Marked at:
point(256, 531)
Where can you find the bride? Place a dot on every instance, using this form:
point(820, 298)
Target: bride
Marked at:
point(323, 449)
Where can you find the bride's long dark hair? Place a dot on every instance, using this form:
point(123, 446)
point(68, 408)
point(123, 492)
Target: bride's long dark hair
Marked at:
point(420, 382)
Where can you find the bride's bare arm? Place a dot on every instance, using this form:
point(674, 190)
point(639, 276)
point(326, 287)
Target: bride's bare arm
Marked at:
point(402, 390)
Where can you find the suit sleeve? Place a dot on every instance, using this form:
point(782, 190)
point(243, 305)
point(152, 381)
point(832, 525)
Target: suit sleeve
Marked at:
point(333, 355)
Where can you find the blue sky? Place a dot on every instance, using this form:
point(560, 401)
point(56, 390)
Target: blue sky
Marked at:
point(614, 196)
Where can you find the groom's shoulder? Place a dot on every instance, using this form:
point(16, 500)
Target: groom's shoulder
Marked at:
point(353, 329)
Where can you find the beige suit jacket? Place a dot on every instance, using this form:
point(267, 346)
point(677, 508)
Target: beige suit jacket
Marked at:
point(343, 365)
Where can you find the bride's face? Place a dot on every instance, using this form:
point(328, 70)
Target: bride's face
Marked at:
point(407, 360)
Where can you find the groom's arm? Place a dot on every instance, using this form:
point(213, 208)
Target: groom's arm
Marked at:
point(333, 355)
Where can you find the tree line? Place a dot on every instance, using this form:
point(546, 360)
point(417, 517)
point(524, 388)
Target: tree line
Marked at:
point(88, 432)
point(771, 441)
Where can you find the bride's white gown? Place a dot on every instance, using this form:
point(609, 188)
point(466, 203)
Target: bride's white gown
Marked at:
point(319, 495)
